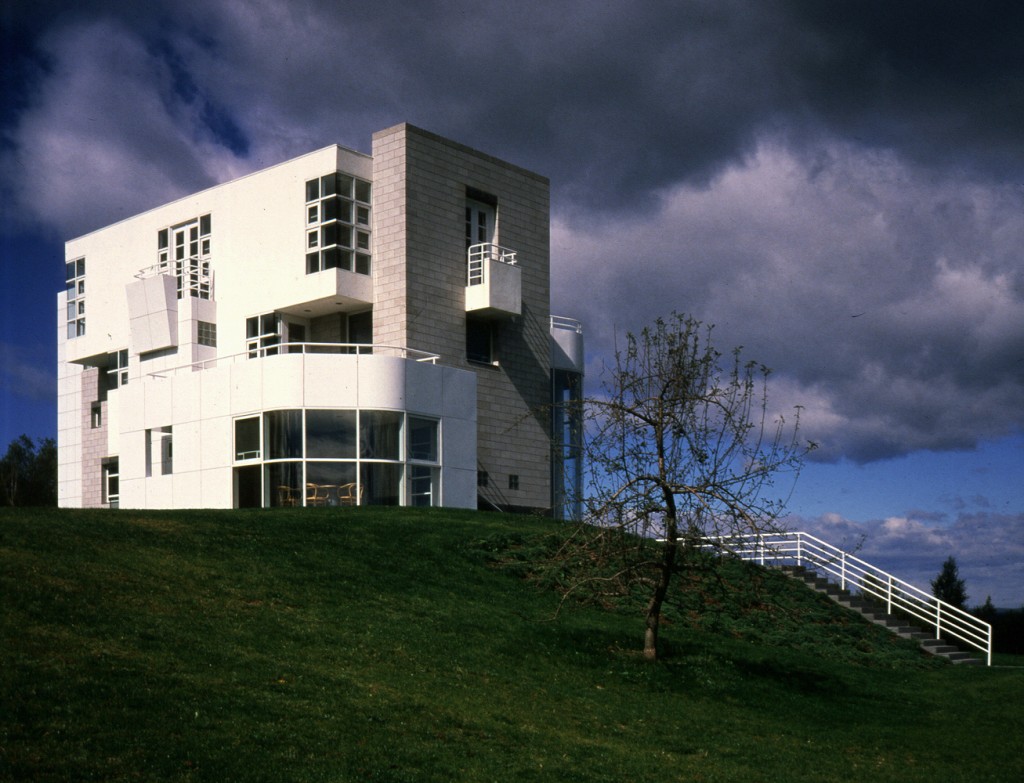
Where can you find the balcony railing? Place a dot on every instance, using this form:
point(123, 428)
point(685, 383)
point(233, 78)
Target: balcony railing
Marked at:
point(283, 349)
point(562, 322)
point(480, 254)
point(193, 275)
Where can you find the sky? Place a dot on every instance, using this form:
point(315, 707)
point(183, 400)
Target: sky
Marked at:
point(838, 187)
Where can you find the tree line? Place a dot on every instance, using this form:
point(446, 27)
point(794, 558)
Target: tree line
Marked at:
point(28, 473)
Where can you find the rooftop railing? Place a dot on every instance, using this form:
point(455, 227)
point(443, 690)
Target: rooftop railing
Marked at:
point(568, 324)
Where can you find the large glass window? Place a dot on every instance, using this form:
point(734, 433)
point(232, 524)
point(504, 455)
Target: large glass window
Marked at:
point(379, 433)
point(343, 457)
point(283, 434)
point(331, 434)
point(284, 484)
point(380, 482)
point(331, 484)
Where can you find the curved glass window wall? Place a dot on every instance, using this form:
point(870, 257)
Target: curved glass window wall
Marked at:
point(336, 458)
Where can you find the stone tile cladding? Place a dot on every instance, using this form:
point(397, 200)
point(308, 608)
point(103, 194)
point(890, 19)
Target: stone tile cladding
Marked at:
point(420, 183)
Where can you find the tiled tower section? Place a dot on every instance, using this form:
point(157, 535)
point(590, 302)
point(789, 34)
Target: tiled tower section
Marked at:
point(422, 183)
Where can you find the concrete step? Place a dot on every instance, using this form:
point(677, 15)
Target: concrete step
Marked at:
point(874, 613)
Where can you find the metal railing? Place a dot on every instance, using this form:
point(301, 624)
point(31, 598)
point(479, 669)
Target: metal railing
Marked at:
point(900, 598)
point(479, 254)
point(291, 349)
point(569, 324)
point(193, 274)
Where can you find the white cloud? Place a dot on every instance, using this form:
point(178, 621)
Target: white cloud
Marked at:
point(988, 547)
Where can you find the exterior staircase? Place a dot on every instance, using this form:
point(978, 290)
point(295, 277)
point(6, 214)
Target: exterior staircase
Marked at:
point(940, 628)
point(875, 613)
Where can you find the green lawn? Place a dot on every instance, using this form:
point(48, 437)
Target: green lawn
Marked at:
point(386, 645)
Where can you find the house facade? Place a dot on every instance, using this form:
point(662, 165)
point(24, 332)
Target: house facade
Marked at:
point(339, 329)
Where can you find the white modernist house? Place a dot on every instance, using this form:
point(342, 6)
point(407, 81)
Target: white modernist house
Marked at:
point(339, 329)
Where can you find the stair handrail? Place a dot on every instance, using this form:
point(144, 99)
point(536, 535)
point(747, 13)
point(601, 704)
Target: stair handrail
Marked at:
point(804, 549)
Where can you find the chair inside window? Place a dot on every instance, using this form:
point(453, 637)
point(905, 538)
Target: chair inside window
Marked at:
point(286, 496)
point(349, 494)
point(315, 495)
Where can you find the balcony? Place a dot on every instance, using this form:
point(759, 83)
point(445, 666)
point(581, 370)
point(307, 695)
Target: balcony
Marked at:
point(494, 283)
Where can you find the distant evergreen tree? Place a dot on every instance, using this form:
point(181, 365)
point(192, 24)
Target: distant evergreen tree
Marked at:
point(986, 611)
point(28, 475)
point(948, 586)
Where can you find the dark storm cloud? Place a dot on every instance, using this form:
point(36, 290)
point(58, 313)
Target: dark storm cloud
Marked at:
point(837, 185)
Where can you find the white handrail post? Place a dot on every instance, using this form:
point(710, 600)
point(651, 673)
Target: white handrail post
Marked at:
point(938, 618)
point(760, 546)
point(888, 597)
point(842, 578)
point(799, 549)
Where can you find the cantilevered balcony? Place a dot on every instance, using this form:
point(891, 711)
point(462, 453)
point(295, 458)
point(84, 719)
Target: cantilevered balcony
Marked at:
point(494, 283)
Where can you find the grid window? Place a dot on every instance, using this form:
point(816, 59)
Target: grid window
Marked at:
point(184, 250)
point(262, 335)
point(513, 481)
point(74, 280)
point(117, 369)
point(336, 204)
point(207, 334)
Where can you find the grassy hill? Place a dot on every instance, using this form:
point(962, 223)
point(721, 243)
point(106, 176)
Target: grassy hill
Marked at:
point(387, 645)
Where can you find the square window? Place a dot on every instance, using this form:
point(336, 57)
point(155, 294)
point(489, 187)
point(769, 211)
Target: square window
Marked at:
point(329, 234)
point(69, 270)
point(312, 263)
point(363, 216)
point(328, 184)
point(344, 185)
point(312, 190)
point(482, 478)
point(422, 439)
point(362, 240)
point(204, 225)
point(362, 191)
point(207, 334)
point(513, 481)
point(79, 267)
point(362, 263)
point(313, 214)
point(333, 259)
point(313, 239)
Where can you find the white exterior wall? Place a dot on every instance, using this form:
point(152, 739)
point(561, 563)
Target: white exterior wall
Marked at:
point(258, 265)
point(202, 406)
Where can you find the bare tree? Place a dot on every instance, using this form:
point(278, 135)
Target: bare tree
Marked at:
point(680, 446)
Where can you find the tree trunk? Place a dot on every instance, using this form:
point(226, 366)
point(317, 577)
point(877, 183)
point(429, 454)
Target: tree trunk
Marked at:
point(667, 566)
